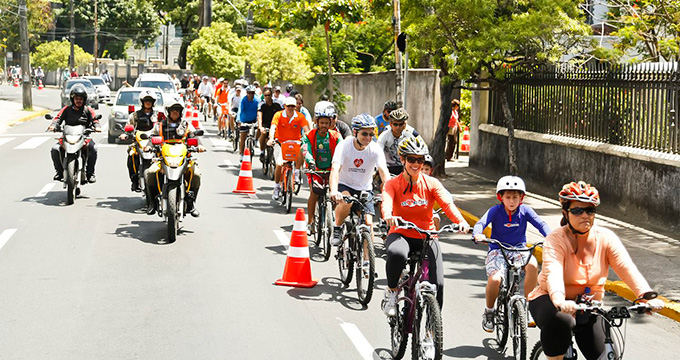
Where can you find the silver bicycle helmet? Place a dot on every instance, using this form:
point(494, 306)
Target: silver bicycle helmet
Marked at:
point(413, 145)
point(399, 115)
point(363, 121)
point(324, 109)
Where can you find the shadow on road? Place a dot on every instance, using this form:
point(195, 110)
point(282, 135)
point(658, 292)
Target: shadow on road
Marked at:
point(329, 289)
point(50, 199)
point(473, 352)
point(131, 204)
point(150, 232)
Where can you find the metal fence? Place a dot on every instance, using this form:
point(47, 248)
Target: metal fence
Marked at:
point(631, 105)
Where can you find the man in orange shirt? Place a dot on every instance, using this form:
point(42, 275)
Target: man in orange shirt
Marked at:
point(286, 125)
point(222, 99)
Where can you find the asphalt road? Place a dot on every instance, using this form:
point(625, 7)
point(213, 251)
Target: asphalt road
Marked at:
point(96, 280)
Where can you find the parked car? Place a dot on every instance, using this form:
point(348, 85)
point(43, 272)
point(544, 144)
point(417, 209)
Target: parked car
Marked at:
point(92, 97)
point(103, 90)
point(162, 82)
point(120, 109)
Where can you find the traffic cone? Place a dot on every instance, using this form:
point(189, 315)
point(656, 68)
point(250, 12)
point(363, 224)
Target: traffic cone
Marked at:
point(465, 143)
point(40, 84)
point(298, 270)
point(16, 82)
point(245, 176)
point(194, 120)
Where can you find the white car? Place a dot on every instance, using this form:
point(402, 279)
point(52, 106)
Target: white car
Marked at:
point(120, 109)
point(162, 82)
point(103, 90)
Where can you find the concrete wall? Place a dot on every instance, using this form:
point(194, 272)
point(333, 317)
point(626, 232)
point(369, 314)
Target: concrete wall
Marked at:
point(369, 92)
point(638, 182)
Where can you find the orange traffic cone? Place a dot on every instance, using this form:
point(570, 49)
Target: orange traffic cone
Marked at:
point(40, 84)
point(298, 270)
point(245, 176)
point(465, 143)
point(16, 82)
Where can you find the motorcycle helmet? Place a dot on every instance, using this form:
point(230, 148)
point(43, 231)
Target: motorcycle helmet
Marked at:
point(413, 146)
point(78, 90)
point(146, 94)
point(363, 121)
point(289, 88)
point(174, 104)
point(324, 109)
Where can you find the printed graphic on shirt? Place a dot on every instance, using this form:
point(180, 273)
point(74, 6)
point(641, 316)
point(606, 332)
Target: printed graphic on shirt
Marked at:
point(414, 203)
point(509, 225)
point(358, 162)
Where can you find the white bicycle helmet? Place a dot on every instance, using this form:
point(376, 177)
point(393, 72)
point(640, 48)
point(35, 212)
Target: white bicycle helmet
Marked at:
point(413, 145)
point(363, 121)
point(324, 109)
point(510, 183)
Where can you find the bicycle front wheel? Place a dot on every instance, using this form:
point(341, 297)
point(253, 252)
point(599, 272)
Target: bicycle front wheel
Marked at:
point(519, 330)
point(398, 332)
point(365, 267)
point(427, 340)
point(289, 190)
point(345, 262)
point(327, 221)
point(501, 322)
point(537, 352)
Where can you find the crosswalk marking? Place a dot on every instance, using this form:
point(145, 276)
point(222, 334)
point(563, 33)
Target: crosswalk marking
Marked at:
point(45, 189)
point(5, 140)
point(5, 235)
point(32, 143)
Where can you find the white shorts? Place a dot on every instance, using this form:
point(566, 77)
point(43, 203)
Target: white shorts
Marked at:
point(495, 261)
point(278, 157)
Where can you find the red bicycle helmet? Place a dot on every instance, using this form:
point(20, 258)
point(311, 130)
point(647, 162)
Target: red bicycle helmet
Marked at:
point(579, 191)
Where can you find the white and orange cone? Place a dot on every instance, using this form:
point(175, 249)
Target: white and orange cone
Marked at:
point(245, 176)
point(465, 143)
point(40, 84)
point(298, 270)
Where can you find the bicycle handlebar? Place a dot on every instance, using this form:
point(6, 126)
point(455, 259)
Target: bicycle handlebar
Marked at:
point(411, 226)
point(510, 248)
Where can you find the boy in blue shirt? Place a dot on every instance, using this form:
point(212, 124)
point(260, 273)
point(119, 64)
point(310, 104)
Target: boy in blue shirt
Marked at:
point(509, 221)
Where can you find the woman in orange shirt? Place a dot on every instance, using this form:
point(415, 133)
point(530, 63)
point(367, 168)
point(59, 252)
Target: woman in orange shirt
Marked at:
point(576, 261)
point(411, 196)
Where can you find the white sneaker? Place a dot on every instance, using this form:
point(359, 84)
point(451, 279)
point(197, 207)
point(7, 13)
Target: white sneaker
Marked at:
point(310, 229)
point(336, 239)
point(487, 321)
point(276, 194)
point(298, 178)
point(389, 303)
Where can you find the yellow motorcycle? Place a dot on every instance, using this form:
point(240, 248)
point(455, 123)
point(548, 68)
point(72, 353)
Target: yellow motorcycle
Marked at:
point(143, 158)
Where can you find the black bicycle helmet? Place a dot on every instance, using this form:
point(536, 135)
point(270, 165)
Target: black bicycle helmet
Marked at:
point(78, 90)
point(390, 105)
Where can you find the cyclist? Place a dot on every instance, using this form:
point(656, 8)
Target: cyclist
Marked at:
point(234, 105)
point(222, 100)
point(384, 118)
point(205, 91)
point(341, 127)
point(299, 107)
point(247, 115)
point(278, 95)
point(143, 119)
point(354, 161)
point(411, 196)
point(428, 167)
point(389, 140)
point(508, 225)
point(576, 261)
point(320, 143)
point(286, 125)
point(265, 113)
point(173, 128)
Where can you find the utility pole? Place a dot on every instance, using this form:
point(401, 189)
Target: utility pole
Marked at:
point(396, 23)
point(72, 58)
point(25, 60)
point(249, 34)
point(96, 31)
point(207, 13)
point(165, 41)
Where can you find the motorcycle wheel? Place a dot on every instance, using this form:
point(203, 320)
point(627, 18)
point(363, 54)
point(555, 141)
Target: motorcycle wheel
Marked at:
point(71, 171)
point(173, 212)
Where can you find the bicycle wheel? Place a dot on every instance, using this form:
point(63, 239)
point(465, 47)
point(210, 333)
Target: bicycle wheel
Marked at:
point(398, 334)
point(327, 228)
point(501, 322)
point(289, 190)
point(519, 330)
point(365, 268)
point(271, 162)
point(265, 163)
point(345, 261)
point(537, 352)
point(297, 183)
point(427, 340)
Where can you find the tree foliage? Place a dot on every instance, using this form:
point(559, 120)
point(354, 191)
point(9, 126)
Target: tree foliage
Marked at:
point(40, 19)
point(217, 51)
point(54, 55)
point(273, 58)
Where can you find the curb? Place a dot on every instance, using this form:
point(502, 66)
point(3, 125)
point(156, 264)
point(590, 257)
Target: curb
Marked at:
point(28, 117)
point(671, 309)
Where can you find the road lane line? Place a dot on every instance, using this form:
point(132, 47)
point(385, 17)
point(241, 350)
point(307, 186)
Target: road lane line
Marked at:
point(229, 163)
point(45, 189)
point(362, 345)
point(253, 196)
point(283, 238)
point(6, 140)
point(4, 237)
point(28, 134)
point(32, 143)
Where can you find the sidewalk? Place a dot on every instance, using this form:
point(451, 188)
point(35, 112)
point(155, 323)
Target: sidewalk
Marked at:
point(656, 254)
point(14, 114)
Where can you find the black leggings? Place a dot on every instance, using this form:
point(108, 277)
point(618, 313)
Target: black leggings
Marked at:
point(398, 250)
point(556, 329)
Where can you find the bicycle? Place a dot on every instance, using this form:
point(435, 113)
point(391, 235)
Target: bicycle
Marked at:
point(268, 162)
point(511, 305)
point(615, 317)
point(289, 152)
point(323, 215)
point(417, 300)
point(356, 249)
point(250, 138)
point(233, 137)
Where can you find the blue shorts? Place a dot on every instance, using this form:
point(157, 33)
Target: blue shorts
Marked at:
point(369, 205)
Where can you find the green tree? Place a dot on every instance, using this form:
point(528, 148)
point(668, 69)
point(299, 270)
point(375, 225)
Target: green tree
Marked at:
point(479, 40)
point(54, 55)
point(40, 19)
point(216, 51)
point(273, 59)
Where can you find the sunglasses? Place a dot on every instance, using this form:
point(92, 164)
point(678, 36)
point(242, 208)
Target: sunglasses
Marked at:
point(268, 95)
point(398, 124)
point(413, 160)
point(580, 210)
point(365, 133)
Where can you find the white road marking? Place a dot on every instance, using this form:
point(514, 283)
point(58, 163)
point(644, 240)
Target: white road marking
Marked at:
point(283, 238)
point(219, 142)
point(100, 145)
point(105, 126)
point(45, 189)
point(229, 163)
point(6, 140)
point(362, 345)
point(253, 196)
point(4, 237)
point(32, 143)
point(29, 134)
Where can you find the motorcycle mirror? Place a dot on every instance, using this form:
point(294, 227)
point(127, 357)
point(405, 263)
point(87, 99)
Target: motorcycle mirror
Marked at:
point(48, 116)
point(156, 140)
point(192, 142)
point(131, 109)
point(199, 132)
point(129, 128)
point(98, 117)
point(144, 136)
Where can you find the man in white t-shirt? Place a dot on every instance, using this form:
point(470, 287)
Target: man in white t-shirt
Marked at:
point(206, 91)
point(389, 139)
point(352, 168)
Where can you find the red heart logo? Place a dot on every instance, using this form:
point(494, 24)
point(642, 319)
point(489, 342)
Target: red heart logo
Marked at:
point(358, 162)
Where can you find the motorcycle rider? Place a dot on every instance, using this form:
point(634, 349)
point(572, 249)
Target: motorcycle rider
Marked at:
point(76, 114)
point(143, 119)
point(173, 127)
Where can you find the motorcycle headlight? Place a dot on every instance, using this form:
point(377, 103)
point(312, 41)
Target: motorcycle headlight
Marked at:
point(72, 139)
point(173, 161)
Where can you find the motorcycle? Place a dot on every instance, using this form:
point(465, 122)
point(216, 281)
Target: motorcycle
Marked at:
point(144, 158)
point(72, 141)
point(174, 158)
